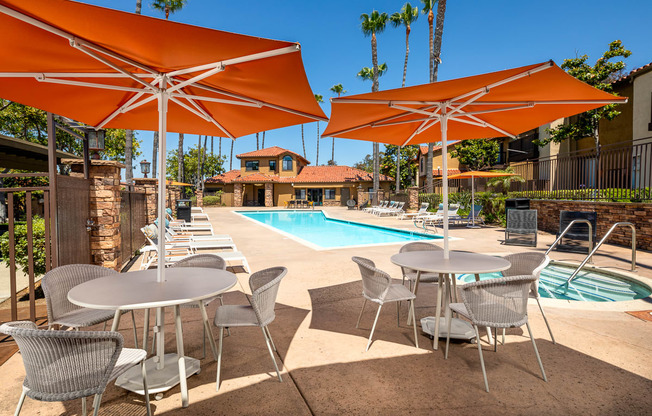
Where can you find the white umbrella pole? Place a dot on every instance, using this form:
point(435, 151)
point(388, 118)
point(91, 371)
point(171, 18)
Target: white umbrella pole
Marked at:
point(162, 127)
point(473, 200)
point(444, 156)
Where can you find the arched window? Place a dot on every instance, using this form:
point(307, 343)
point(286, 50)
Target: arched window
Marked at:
point(287, 163)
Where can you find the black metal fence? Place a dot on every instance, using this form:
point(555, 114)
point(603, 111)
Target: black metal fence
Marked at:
point(133, 216)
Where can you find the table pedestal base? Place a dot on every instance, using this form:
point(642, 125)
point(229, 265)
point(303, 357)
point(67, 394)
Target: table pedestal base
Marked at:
point(158, 381)
point(460, 329)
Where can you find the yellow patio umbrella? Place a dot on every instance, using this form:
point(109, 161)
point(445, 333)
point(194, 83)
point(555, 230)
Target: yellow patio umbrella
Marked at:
point(477, 174)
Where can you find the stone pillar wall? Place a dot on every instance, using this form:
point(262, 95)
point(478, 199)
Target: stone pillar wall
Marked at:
point(105, 200)
point(200, 198)
point(269, 194)
point(608, 213)
point(150, 187)
point(381, 195)
point(360, 190)
point(237, 195)
point(413, 198)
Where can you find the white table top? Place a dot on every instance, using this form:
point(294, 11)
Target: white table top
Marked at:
point(140, 290)
point(458, 263)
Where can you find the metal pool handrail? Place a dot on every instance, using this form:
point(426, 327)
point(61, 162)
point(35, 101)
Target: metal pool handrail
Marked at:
point(613, 227)
point(568, 228)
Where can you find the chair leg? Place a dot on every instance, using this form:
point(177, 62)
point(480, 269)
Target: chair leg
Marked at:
point(84, 410)
point(414, 324)
point(96, 404)
point(219, 358)
point(536, 351)
point(269, 334)
point(496, 338)
point(398, 314)
point(271, 354)
point(145, 388)
point(145, 329)
point(484, 372)
point(373, 327)
point(20, 402)
point(545, 319)
point(133, 322)
point(449, 318)
point(360, 316)
point(220, 298)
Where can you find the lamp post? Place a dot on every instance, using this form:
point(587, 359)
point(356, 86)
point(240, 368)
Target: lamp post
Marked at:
point(144, 167)
point(95, 141)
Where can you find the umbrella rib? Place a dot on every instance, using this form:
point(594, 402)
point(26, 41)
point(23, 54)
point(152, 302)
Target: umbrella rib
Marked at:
point(215, 100)
point(90, 84)
point(203, 115)
point(120, 109)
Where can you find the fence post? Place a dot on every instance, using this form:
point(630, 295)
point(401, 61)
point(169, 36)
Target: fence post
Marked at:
point(237, 195)
point(413, 197)
point(149, 186)
point(199, 194)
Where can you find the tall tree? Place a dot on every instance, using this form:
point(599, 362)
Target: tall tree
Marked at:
point(199, 165)
point(339, 90)
point(303, 142)
point(231, 158)
point(477, 154)
point(168, 6)
point(257, 141)
point(180, 168)
point(408, 168)
point(194, 174)
point(439, 33)
point(154, 154)
point(371, 25)
point(405, 17)
point(320, 99)
point(262, 145)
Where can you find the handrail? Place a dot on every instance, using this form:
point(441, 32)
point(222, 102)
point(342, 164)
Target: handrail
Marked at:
point(568, 228)
point(613, 227)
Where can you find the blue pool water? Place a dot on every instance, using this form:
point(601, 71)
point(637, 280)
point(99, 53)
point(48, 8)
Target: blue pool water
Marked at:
point(315, 228)
point(589, 285)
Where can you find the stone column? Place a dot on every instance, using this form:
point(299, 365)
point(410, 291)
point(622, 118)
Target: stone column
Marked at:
point(150, 187)
point(105, 199)
point(199, 194)
point(269, 194)
point(413, 197)
point(381, 195)
point(237, 194)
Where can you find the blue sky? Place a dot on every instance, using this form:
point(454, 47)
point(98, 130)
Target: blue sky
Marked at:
point(479, 36)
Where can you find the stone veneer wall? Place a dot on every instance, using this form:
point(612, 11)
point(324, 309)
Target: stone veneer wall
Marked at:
point(608, 213)
point(237, 195)
point(200, 198)
point(150, 187)
point(269, 194)
point(413, 198)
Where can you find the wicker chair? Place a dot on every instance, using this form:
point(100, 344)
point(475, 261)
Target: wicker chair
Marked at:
point(529, 263)
point(210, 261)
point(411, 274)
point(264, 288)
point(57, 283)
point(495, 303)
point(68, 365)
point(377, 287)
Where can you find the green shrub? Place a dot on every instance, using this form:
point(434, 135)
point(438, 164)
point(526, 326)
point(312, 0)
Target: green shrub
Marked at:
point(493, 207)
point(601, 195)
point(213, 200)
point(432, 199)
point(20, 240)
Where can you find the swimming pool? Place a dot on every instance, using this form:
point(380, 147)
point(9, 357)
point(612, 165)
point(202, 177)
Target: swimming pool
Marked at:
point(316, 230)
point(590, 285)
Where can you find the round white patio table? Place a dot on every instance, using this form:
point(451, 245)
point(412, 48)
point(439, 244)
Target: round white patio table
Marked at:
point(459, 262)
point(140, 290)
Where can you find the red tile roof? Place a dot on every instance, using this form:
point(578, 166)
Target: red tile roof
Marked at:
point(309, 174)
point(634, 72)
point(424, 149)
point(452, 171)
point(270, 152)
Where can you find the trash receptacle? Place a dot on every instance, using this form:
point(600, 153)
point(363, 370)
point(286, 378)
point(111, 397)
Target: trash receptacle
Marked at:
point(183, 209)
point(516, 203)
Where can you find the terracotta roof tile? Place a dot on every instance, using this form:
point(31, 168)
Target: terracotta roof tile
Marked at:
point(270, 152)
point(424, 149)
point(633, 72)
point(226, 177)
point(309, 174)
point(452, 171)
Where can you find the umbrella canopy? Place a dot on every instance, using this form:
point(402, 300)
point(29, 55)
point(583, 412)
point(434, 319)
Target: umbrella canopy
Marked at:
point(112, 69)
point(503, 103)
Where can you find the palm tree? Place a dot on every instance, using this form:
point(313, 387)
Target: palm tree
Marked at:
point(154, 154)
point(339, 90)
point(367, 74)
point(504, 182)
point(370, 26)
point(180, 175)
point(439, 32)
point(406, 17)
point(168, 6)
point(231, 158)
point(428, 5)
point(320, 99)
point(262, 146)
point(257, 141)
point(303, 142)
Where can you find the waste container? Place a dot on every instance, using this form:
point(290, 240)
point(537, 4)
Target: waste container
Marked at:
point(183, 209)
point(517, 203)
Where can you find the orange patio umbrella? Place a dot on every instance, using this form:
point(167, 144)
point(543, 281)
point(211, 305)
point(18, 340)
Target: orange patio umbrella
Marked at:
point(503, 103)
point(113, 69)
point(477, 174)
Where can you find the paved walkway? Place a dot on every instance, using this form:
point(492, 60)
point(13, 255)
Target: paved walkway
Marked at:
point(600, 364)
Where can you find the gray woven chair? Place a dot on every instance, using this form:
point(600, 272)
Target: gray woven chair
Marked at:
point(68, 365)
point(495, 303)
point(411, 274)
point(529, 263)
point(209, 261)
point(522, 222)
point(264, 288)
point(377, 287)
point(57, 283)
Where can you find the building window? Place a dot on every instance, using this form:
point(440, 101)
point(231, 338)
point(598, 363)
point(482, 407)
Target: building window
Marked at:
point(287, 163)
point(300, 193)
point(329, 193)
point(272, 165)
point(251, 165)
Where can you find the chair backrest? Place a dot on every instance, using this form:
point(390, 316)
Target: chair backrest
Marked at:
point(477, 209)
point(522, 220)
point(57, 283)
point(64, 365)
point(417, 246)
point(209, 261)
point(452, 209)
point(264, 289)
point(527, 263)
point(375, 282)
point(424, 207)
point(498, 303)
point(400, 206)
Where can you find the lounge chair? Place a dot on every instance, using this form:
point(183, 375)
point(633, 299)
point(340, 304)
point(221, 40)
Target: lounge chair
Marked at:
point(474, 216)
point(190, 236)
point(381, 204)
point(396, 210)
point(391, 207)
point(410, 215)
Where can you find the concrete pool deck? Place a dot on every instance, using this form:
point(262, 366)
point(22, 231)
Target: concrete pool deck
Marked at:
point(600, 364)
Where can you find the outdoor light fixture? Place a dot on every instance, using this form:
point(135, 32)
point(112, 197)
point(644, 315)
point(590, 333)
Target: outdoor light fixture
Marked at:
point(95, 141)
point(144, 167)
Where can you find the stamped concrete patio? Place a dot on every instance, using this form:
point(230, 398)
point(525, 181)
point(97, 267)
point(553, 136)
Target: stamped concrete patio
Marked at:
point(600, 364)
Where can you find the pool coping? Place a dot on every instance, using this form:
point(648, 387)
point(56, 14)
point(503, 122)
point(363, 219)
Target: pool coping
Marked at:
point(316, 247)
